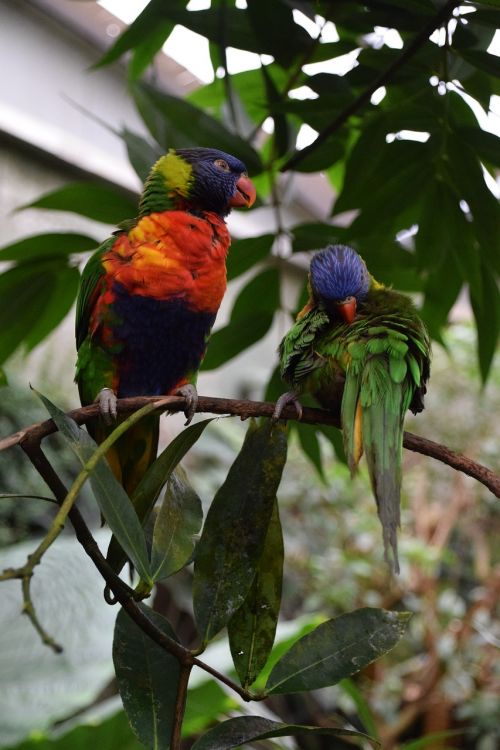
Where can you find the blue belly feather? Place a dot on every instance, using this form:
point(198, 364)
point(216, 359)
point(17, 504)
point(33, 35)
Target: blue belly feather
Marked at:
point(163, 341)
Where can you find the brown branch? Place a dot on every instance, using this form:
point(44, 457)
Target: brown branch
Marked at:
point(418, 40)
point(180, 706)
point(244, 409)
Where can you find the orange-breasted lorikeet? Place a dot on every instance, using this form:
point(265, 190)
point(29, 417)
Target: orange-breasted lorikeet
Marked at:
point(362, 351)
point(149, 296)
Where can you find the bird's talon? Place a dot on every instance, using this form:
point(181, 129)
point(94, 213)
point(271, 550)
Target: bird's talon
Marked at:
point(191, 395)
point(107, 405)
point(287, 398)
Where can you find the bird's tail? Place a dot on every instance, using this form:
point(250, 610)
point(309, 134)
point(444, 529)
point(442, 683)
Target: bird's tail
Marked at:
point(372, 422)
point(129, 458)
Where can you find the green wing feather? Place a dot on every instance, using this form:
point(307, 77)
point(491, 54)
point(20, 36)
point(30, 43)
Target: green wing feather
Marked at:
point(298, 358)
point(89, 283)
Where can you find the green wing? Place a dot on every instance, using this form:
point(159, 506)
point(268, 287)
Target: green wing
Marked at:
point(298, 358)
point(89, 284)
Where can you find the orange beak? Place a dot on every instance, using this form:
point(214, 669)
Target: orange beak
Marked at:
point(244, 194)
point(347, 309)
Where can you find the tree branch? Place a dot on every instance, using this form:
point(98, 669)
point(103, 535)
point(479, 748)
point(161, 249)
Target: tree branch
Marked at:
point(418, 40)
point(245, 409)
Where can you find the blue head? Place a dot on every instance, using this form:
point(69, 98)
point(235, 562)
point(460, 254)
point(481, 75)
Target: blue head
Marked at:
point(219, 180)
point(197, 179)
point(339, 278)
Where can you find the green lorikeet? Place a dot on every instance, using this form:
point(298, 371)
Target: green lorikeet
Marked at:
point(149, 296)
point(363, 352)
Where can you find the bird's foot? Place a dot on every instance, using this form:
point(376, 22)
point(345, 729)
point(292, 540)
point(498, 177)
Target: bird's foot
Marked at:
point(106, 398)
point(191, 395)
point(290, 397)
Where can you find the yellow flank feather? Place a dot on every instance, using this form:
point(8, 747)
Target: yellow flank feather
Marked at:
point(178, 173)
point(358, 434)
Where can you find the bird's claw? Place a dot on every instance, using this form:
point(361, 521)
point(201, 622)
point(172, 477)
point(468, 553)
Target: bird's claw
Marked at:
point(290, 397)
point(191, 395)
point(106, 399)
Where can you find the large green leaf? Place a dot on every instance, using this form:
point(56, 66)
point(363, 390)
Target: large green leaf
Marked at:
point(236, 732)
point(98, 202)
point(147, 491)
point(178, 521)
point(113, 501)
point(228, 553)
point(482, 60)
point(175, 123)
point(141, 153)
point(292, 40)
point(147, 678)
point(486, 145)
point(252, 628)
point(57, 304)
point(487, 315)
point(145, 26)
point(244, 254)
point(47, 245)
point(234, 338)
point(24, 291)
point(259, 295)
point(466, 174)
point(336, 649)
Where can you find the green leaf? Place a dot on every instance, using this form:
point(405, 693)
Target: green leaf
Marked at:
point(482, 60)
point(113, 501)
point(245, 254)
point(242, 729)
point(252, 628)
point(176, 526)
point(47, 245)
point(24, 291)
point(141, 153)
point(147, 678)
point(282, 132)
point(147, 491)
point(234, 338)
point(204, 703)
point(466, 174)
point(58, 304)
point(261, 294)
point(175, 123)
point(3, 378)
point(363, 709)
point(487, 315)
point(486, 145)
point(144, 26)
point(98, 202)
point(337, 649)
point(265, 18)
point(235, 529)
point(310, 445)
point(144, 52)
point(323, 156)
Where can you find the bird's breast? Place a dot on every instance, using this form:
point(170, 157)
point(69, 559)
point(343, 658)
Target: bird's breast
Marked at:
point(170, 255)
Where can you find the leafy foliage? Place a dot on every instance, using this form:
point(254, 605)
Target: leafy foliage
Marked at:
point(411, 169)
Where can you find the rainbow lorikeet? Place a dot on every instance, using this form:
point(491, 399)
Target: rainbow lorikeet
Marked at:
point(363, 352)
point(150, 293)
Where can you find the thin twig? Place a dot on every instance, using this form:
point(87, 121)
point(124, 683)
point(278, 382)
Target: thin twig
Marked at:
point(180, 706)
point(408, 52)
point(245, 409)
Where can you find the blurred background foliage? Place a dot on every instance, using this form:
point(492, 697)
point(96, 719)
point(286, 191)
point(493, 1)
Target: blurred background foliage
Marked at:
point(405, 150)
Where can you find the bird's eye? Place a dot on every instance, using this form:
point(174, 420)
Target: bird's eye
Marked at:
point(222, 164)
